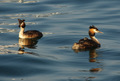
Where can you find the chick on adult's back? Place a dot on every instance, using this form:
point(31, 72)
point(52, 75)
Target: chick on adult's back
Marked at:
point(28, 34)
point(86, 43)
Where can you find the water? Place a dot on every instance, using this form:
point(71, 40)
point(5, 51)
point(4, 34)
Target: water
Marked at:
point(62, 22)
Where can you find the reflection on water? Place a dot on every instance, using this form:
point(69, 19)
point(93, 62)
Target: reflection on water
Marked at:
point(95, 69)
point(15, 16)
point(3, 30)
point(4, 49)
point(93, 58)
point(85, 78)
point(23, 1)
point(65, 20)
point(18, 1)
point(93, 55)
point(29, 43)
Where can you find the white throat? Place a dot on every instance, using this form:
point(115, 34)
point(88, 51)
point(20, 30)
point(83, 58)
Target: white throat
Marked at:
point(94, 39)
point(21, 33)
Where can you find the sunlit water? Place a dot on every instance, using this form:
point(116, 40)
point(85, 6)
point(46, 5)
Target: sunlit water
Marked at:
point(62, 23)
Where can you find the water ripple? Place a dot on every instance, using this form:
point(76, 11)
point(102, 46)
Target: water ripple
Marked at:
point(62, 23)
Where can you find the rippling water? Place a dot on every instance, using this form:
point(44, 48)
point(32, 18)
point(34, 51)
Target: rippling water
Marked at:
point(62, 22)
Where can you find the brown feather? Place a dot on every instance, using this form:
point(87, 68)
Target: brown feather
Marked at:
point(32, 34)
point(87, 44)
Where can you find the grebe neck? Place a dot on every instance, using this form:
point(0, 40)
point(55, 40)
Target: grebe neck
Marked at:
point(21, 31)
point(94, 39)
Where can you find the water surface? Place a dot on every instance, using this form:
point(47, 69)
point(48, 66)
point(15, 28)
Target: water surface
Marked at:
point(62, 23)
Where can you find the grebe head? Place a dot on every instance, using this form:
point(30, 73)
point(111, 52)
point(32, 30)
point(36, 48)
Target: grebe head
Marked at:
point(21, 23)
point(93, 30)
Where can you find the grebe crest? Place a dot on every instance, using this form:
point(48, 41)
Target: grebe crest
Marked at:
point(28, 34)
point(86, 43)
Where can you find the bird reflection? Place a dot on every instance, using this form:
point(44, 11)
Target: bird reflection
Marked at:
point(29, 43)
point(94, 70)
point(92, 58)
point(92, 54)
point(98, 67)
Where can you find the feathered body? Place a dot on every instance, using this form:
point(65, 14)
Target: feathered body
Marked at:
point(86, 43)
point(29, 33)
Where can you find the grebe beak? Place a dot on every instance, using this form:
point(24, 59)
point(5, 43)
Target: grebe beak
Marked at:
point(100, 32)
point(97, 31)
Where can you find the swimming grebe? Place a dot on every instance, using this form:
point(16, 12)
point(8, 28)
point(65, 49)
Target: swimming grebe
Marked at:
point(86, 43)
point(28, 34)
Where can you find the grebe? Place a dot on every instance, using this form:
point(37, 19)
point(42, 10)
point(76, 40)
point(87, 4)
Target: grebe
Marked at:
point(86, 43)
point(28, 34)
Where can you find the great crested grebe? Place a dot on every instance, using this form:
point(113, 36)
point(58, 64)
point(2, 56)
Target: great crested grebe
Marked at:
point(28, 34)
point(86, 43)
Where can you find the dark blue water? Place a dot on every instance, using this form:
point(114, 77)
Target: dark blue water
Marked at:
point(62, 23)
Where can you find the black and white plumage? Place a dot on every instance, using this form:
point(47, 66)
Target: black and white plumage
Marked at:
point(29, 33)
point(86, 43)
